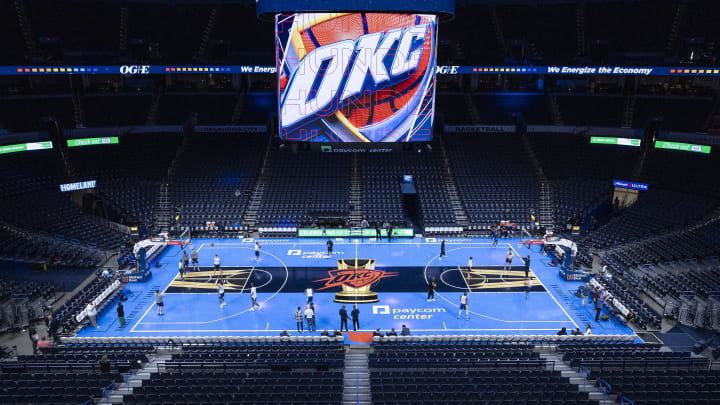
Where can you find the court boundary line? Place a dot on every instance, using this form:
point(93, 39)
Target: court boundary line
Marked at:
point(548, 291)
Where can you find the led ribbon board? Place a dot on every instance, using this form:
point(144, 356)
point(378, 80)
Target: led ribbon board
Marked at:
point(342, 233)
point(356, 77)
point(603, 140)
point(631, 185)
point(80, 185)
point(22, 147)
point(92, 141)
point(685, 147)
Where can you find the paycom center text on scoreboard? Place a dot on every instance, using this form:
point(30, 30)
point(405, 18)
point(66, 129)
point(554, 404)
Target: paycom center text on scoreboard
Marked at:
point(356, 77)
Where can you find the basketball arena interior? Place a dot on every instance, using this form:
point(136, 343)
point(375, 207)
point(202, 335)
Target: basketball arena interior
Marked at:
point(507, 201)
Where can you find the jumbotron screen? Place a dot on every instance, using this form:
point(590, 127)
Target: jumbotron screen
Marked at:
point(356, 77)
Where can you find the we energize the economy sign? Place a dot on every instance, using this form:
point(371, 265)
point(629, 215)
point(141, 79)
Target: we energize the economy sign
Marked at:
point(685, 147)
point(92, 141)
point(22, 147)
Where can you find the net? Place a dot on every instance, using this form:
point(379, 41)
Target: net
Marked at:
point(529, 241)
point(184, 237)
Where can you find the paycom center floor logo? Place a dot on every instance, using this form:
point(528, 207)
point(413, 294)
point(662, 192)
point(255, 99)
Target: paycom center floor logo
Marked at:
point(356, 77)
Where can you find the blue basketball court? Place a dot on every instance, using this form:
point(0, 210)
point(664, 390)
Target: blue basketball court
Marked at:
point(402, 268)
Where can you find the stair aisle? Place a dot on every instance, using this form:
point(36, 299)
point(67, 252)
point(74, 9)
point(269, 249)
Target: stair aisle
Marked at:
point(356, 380)
point(556, 363)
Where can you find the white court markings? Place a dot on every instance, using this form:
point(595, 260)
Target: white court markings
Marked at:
point(487, 316)
point(484, 245)
point(214, 320)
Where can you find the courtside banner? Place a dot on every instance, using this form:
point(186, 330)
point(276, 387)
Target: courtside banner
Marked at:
point(356, 77)
point(479, 129)
point(140, 70)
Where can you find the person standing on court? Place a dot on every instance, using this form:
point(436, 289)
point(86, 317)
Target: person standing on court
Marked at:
point(508, 259)
point(585, 293)
point(599, 304)
point(431, 290)
point(309, 314)
point(221, 293)
point(308, 294)
point(389, 231)
point(378, 234)
point(528, 287)
point(464, 306)
point(216, 263)
point(121, 314)
point(494, 236)
point(92, 314)
point(299, 320)
point(343, 319)
point(253, 297)
point(159, 302)
point(257, 251)
point(329, 247)
point(181, 270)
point(355, 318)
point(442, 249)
point(194, 259)
point(526, 260)
point(186, 259)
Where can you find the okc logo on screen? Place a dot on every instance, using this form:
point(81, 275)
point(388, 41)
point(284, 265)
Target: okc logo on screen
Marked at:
point(356, 77)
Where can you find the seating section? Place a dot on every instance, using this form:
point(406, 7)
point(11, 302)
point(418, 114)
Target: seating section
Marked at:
point(645, 374)
point(64, 317)
point(210, 109)
point(495, 178)
point(213, 178)
point(655, 211)
point(116, 109)
point(65, 376)
point(41, 249)
point(129, 174)
point(19, 114)
point(382, 197)
point(305, 187)
point(32, 201)
point(248, 374)
point(455, 374)
point(679, 114)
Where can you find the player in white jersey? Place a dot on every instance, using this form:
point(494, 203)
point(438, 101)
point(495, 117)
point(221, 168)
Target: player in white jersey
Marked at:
point(464, 307)
point(253, 297)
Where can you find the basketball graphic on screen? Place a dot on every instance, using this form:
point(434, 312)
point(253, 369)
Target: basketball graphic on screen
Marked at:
point(379, 113)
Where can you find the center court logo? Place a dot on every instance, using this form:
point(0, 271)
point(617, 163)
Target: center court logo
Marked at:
point(406, 313)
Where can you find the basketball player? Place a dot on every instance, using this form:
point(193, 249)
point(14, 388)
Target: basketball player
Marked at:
point(508, 259)
point(431, 290)
point(216, 262)
point(194, 260)
point(186, 260)
point(221, 293)
point(528, 287)
point(253, 297)
point(442, 249)
point(257, 251)
point(494, 237)
point(464, 306)
point(181, 270)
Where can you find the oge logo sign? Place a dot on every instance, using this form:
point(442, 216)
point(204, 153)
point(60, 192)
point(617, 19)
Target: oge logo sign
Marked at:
point(134, 69)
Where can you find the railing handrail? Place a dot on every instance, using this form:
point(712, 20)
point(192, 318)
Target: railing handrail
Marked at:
point(586, 374)
point(626, 400)
point(605, 386)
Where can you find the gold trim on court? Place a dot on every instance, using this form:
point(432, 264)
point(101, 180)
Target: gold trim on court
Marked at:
point(235, 280)
point(478, 277)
